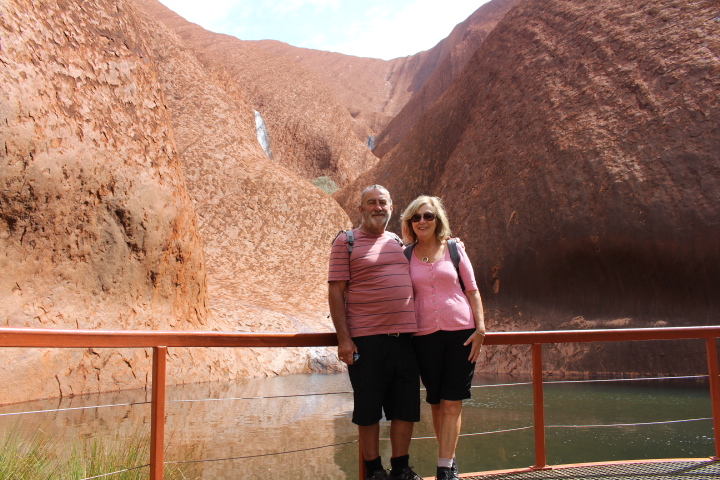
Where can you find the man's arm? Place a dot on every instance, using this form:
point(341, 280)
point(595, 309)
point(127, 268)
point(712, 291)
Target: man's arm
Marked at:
point(336, 299)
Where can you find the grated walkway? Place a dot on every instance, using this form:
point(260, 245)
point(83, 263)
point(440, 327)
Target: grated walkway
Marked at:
point(660, 470)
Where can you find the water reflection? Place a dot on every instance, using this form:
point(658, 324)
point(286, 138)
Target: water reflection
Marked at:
point(247, 421)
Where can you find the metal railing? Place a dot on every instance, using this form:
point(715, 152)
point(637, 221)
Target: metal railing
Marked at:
point(159, 341)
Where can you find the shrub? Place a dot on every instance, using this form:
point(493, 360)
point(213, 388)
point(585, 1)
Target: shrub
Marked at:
point(326, 184)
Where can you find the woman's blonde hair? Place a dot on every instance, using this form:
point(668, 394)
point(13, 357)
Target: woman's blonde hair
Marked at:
point(442, 225)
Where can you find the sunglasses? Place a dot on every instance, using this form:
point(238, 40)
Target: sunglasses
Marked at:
point(428, 216)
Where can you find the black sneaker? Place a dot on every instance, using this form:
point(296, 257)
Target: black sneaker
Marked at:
point(454, 468)
point(446, 473)
point(378, 475)
point(406, 474)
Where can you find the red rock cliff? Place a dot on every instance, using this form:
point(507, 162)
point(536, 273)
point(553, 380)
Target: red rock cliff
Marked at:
point(310, 132)
point(106, 113)
point(97, 229)
point(578, 157)
point(454, 53)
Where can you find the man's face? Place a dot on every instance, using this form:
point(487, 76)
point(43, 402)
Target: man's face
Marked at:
point(376, 209)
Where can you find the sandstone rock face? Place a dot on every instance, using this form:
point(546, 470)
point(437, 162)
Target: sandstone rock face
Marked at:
point(578, 156)
point(372, 90)
point(310, 132)
point(455, 51)
point(266, 233)
point(98, 229)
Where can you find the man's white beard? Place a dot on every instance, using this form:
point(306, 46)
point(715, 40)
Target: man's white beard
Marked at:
point(380, 220)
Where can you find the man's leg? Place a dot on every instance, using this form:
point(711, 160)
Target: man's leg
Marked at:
point(370, 440)
point(400, 436)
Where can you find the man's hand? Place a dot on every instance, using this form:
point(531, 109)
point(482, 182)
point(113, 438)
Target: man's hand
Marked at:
point(336, 299)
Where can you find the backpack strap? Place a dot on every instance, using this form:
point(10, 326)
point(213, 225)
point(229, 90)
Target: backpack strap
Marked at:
point(350, 235)
point(397, 239)
point(455, 257)
point(408, 251)
point(350, 239)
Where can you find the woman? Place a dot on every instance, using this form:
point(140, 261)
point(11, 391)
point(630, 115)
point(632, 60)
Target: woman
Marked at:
point(451, 327)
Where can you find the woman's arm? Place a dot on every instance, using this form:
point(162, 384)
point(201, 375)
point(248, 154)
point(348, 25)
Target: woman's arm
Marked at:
point(478, 335)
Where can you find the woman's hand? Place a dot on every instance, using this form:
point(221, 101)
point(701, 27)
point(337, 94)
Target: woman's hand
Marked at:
point(476, 339)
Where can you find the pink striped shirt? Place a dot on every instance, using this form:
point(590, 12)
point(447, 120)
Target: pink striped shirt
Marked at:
point(440, 303)
point(380, 296)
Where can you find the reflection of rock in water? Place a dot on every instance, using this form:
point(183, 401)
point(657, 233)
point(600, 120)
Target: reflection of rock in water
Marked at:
point(216, 429)
point(260, 426)
point(243, 422)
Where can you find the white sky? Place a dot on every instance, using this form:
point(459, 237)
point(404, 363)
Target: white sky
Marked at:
point(366, 28)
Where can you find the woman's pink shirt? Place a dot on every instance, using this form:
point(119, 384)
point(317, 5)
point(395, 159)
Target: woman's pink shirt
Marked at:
point(440, 303)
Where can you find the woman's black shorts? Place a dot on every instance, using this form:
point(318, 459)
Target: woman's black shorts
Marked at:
point(385, 377)
point(445, 369)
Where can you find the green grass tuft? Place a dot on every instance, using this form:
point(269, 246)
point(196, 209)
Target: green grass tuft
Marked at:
point(38, 456)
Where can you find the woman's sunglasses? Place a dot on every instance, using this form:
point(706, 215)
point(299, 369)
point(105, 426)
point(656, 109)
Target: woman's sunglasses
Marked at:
point(428, 216)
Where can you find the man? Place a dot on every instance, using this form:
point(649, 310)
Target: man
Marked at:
point(371, 303)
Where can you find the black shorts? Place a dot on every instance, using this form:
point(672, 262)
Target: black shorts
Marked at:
point(445, 369)
point(385, 378)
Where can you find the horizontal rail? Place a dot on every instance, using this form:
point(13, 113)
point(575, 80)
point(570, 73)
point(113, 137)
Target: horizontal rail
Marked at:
point(85, 338)
point(605, 335)
point(59, 338)
point(160, 340)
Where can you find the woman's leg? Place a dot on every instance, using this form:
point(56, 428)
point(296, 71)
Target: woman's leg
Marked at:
point(447, 420)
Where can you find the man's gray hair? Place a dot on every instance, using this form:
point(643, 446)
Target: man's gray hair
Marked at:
point(375, 187)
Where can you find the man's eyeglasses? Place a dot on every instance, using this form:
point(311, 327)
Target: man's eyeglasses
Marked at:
point(428, 216)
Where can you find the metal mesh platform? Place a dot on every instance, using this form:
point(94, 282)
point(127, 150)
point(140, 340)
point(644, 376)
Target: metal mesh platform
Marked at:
point(661, 470)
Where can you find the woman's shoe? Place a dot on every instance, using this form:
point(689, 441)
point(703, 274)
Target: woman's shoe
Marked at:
point(446, 473)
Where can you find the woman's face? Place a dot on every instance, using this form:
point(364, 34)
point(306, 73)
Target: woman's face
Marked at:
point(425, 227)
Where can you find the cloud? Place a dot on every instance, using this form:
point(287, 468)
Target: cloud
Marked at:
point(390, 33)
point(283, 7)
point(200, 13)
point(367, 28)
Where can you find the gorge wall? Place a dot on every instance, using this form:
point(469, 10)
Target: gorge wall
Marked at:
point(374, 91)
point(311, 133)
point(97, 229)
point(264, 230)
point(579, 158)
point(455, 51)
point(574, 143)
point(122, 158)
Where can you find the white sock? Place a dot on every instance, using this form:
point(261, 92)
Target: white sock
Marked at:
point(445, 462)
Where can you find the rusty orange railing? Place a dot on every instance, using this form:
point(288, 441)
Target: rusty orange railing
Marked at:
point(159, 341)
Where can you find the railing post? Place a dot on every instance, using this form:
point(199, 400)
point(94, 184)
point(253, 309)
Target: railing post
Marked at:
point(539, 406)
point(361, 470)
point(157, 416)
point(714, 373)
